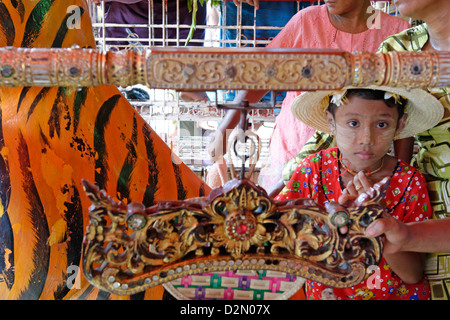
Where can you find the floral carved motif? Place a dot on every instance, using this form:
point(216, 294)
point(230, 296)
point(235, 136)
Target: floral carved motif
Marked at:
point(129, 248)
point(224, 68)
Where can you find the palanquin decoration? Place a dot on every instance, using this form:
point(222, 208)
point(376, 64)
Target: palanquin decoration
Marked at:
point(130, 248)
point(224, 68)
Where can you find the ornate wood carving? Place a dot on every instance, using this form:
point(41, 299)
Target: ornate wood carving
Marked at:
point(224, 68)
point(130, 248)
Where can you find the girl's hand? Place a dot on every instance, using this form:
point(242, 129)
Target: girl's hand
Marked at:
point(360, 184)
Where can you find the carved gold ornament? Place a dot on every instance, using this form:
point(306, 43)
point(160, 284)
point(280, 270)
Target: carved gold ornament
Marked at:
point(224, 68)
point(130, 248)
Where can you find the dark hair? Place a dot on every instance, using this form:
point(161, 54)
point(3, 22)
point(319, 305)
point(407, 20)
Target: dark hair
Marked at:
point(369, 94)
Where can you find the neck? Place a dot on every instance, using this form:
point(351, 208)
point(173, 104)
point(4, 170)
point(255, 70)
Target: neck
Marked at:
point(367, 171)
point(437, 28)
point(353, 21)
point(439, 37)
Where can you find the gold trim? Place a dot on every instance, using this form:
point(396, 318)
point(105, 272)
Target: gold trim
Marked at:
point(224, 68)
point(130, 248)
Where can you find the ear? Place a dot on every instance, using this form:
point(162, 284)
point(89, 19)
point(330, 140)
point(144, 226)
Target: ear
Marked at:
point(401, 123)
point(331, 122)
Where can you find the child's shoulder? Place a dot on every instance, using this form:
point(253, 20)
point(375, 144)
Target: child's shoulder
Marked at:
point(405, 170)
point(319, 162)
point(323, 155)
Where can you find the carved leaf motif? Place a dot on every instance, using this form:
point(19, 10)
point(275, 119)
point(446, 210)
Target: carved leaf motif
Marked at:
point(168, 70)
point(211, 71)
point(237, 226)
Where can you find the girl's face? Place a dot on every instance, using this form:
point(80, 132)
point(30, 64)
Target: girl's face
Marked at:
point(364, 130)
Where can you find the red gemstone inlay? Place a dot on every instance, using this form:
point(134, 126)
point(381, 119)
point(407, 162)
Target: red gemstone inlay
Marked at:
point(241, 229)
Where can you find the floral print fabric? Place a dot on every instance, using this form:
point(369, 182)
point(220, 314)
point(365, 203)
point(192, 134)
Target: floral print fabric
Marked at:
point(318, 177)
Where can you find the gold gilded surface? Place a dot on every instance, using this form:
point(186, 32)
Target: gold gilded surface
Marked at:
point(277, 71)
point(224, 68)
point(130, 248)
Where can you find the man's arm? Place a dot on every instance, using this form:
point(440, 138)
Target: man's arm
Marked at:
point(254, 3)
point(217, 148)
point(425, 236)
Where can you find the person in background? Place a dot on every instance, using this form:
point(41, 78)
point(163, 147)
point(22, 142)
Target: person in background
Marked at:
point(237, 14)
point(137, 12)
point(339, 24)
point(263, 17)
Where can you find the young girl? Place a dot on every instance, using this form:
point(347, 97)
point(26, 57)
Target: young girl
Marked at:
point(365, 122)
point(337, 24)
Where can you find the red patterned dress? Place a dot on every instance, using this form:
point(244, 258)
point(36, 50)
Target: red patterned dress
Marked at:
point(318, 177)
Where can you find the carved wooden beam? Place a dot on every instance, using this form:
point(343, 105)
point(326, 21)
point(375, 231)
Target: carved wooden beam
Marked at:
point(222, 68)
point(130, 248)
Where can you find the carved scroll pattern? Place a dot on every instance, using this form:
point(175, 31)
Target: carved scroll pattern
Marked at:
point(247, 71)
point(227, 68)
point(130, 248)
